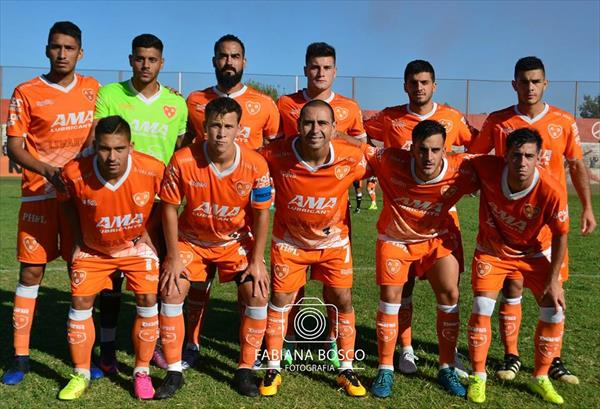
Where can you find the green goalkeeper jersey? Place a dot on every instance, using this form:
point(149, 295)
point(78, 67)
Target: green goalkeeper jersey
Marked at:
point(155, 122)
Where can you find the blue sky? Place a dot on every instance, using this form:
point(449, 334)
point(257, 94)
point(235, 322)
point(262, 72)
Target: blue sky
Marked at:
point(462, 39)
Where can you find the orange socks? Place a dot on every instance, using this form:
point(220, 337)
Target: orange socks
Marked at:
point(548, 339)
point(144, 335)
point(172, 331)
point(252, 331)
point(405, 322)
point(510, 323)
point(448, 325)
point(23, 311)
point(277, 323)
point(480, 333)
point(346, 338)
point(197, 303)
point(81, 335)
point(387, 333)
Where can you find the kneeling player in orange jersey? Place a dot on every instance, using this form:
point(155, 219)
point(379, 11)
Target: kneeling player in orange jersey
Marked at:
point(420, 186)
point(224, 224)
point(312, 174)
point(109, 199)
point(523, 226)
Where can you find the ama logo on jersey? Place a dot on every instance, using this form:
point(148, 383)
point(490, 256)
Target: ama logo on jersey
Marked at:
point(311, 204)
point(72, 120)
point(147, 128)
point(207, 209)
point(116, 223)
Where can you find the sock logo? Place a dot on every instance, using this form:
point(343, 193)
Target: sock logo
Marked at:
point(477, 339)
point(76, 337)
point(450, 334)
point(386, 333)
point(148, 334)
point(254, 340)
point(508, 328)
point(167, 336)
point(344, 331)
point(77, 277)
point(548, 346)
point(20, 320)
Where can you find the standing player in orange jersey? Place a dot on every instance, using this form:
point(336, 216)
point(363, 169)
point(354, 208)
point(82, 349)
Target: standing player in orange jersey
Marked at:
point(415, 233)
point(49, 120)
point(311, 174)
point(523, 226)
point(258, 125)
point(560, 141)
point(320, 71)
point(108, 200)
point(223, 226)
point(394, 126)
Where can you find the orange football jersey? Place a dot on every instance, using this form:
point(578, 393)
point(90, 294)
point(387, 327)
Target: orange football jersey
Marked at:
point(348, 116)
point(260, 117)
point(393, 126)
point(560, 137)
point(518, 224)
point(218, 203)
point(311, 203)
point(112, 216)
point(54, 121)
point(416, 210)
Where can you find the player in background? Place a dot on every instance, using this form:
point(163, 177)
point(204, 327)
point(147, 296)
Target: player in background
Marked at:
point(523, 227)
point(224, 225)
point(415, 233)
point(158, 119)
point(393, 126)
point(312, 174)
point(320, 71)
point(560, 141)
point(49, 120)
point(258, 125)
point(108, 201)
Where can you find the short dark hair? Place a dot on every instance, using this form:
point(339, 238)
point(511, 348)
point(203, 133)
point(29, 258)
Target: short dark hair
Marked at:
point(66, 28)
point(528, 64)
point(316, 103)
point(521, 136)
point(319, 50)
point(147, 41)
point(417, 67)
point(229, 37)
point(427, 128)
point(113, 125)
point(222, 106)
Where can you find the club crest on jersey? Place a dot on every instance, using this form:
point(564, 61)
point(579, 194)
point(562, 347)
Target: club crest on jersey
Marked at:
point(30, 244)
point(78, 277)
point(253, 107)
point(555, 131)
point(530, 211)
point(448, 191)
point(141, 198)
point(169, 111)
point(281, 271)
point(341, 113)
point(447, 124)
point(186, 257)
point(483, 268)
point(243, 188)
point(392, 266)
point(89, 94)
point(342, 171)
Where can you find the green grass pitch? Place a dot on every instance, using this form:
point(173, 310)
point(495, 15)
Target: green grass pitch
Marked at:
point(208, 385)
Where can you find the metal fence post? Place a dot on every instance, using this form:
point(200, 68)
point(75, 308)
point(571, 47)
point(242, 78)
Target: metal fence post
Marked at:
point(468, 98)
point(576, 98)
point(179, 82)
point(353, 87)
point(297, 86)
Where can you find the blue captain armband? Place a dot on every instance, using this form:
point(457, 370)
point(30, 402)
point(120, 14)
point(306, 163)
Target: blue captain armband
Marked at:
point(261, 194)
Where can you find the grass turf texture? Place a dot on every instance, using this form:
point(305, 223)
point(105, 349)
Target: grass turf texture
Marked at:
point(208, 385)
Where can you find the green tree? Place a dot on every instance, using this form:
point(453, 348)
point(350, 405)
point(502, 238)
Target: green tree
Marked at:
point(267, 89)
point(590, 108)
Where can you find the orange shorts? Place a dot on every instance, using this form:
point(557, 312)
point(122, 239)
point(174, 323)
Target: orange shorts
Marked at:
point(393, 260)
point(43, 233)
point(332, 267)
point(229, 260)
point(489, 272)
point(92, 272)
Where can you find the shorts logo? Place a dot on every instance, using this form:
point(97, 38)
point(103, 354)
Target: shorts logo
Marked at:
point(141, 198)
point(341, 171)
point(149, 334)
point(75, 337)
point(509, 328)
point(20, 320)
point(386, 334)
point(477, 339)
point(448, 191)
point(30, 244)
point(186, 257)
point(555, 131)
point(253, 107)
point(392, 266)
point(78, 277)
point(89, 94)
point(530, 211)
point(447, 124)
point(281, 271)
point(341, 113)
point(483, 268)
point(243, 188)
point(169, 111)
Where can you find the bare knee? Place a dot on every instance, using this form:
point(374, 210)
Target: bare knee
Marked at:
point(31, 274)
point(340, 297)
point(145, 300)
